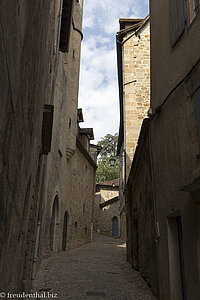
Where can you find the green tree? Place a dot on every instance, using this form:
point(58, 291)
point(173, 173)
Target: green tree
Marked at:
point(105, 172)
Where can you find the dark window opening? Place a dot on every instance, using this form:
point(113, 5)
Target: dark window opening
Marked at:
point(65, 25)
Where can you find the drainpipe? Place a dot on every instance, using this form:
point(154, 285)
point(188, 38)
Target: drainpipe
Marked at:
point(38, 230)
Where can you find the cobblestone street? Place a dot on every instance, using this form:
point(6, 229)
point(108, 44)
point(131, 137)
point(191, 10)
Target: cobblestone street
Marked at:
point(94, 271)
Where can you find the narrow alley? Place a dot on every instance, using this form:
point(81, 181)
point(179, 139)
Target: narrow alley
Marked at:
point(100, 149)
point(94, 271)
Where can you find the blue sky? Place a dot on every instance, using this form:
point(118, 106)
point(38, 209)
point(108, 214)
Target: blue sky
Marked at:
point(98, 91)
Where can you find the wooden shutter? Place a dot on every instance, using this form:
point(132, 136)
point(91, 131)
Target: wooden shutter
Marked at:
point(177, 19)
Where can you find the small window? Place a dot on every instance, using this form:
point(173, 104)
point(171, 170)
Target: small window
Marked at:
point(66, 22)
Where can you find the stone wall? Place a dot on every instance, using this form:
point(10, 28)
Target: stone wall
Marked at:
point(141, 235)
point(123, 226)
point(175, 147)
point(49, 195)
point(26, 63)
point(137, 94)
point(176, 168)
point(103, 216)
point(70, 180)
point(134, 94)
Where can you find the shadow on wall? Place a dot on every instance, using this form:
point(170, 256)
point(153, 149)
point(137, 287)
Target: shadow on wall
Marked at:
point(54, 223)
point(64, 237)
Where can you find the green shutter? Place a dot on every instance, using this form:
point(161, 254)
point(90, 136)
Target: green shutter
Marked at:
point(177, 19)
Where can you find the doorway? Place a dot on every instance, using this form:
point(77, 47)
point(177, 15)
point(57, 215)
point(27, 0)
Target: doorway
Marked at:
point(115, 227)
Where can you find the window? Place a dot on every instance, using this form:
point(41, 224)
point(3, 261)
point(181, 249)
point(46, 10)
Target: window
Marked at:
point(181, 12)
point(66, 22)
point(193, 9)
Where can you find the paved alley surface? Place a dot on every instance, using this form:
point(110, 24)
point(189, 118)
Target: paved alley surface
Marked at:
point(94, 271)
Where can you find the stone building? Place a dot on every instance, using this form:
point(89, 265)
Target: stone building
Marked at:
point(106, 208)
point(175, 133)
point(133, 58)
point(47, 165)
point(27, 67)
point(141, 227)
point(166, 162)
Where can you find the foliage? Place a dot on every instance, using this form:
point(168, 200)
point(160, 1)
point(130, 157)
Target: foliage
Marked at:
point(105, 172)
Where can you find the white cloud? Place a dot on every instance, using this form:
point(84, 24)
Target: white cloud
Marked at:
point(105, 13)
point(98, 95)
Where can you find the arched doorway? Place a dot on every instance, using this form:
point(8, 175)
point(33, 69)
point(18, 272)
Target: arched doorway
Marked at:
point(64, 237)
point(115, 227)
point(54, 221)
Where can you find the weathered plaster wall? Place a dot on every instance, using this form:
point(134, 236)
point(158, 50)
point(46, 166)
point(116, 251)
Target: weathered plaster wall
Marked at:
point(175, 151)
point(176, 166)
point(171, 70)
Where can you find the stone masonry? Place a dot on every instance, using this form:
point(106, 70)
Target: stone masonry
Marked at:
point(27, 63)
point(137, 94)
point(47, 174)
point(133, 54)
point(106, 207)
point(141, 228)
